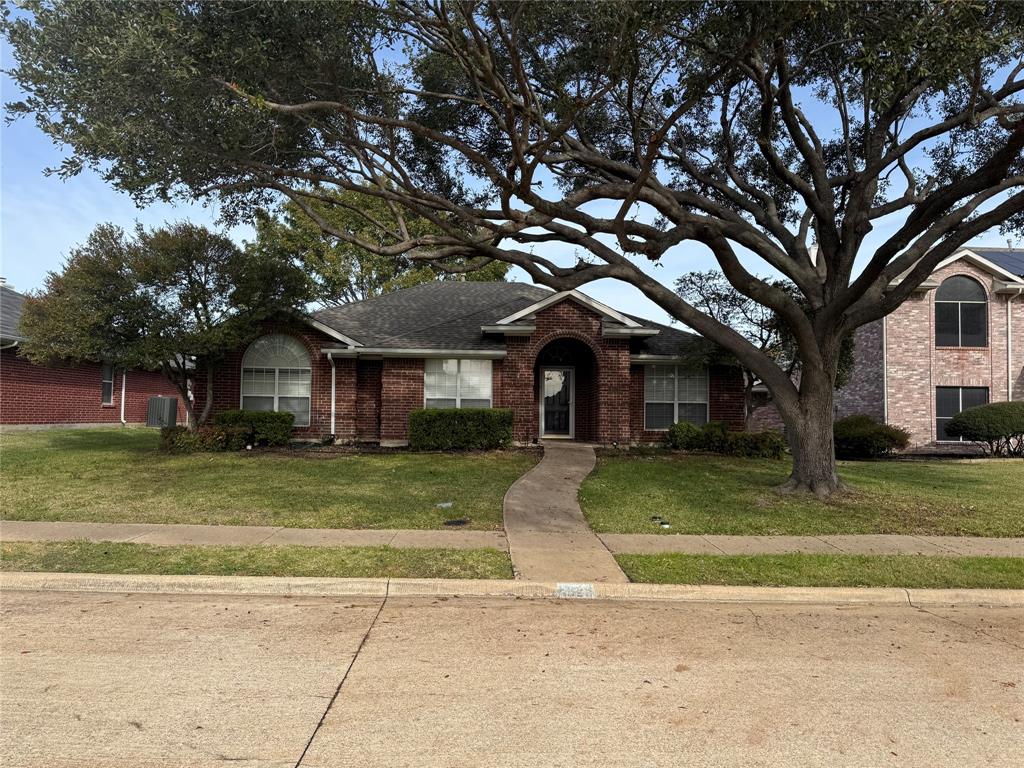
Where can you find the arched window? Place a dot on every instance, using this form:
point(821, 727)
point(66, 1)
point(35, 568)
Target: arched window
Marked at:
point(276, 376)
point(961, 316)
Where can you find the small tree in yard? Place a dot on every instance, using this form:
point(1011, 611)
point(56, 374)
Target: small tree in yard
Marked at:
point(621, 130)
point(167, 298)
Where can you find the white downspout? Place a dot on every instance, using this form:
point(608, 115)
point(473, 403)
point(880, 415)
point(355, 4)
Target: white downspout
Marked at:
point(1009, 343)
point(885, 375)
point(124, 379)
point(330, 358)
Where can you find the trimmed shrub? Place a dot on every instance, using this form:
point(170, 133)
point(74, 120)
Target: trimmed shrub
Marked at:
point(997, 427)
point(713, 437)
point(206, 438)
point(684, 436)
point(263, 427)
point(861, 437)
point(445, 429)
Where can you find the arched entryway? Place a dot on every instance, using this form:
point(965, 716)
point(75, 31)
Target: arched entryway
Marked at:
point(566, 374)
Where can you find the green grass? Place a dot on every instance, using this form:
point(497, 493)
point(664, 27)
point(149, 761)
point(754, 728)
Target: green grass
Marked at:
point(118, 475)
point(719, 495)
point(351, 562)
point(911, 571)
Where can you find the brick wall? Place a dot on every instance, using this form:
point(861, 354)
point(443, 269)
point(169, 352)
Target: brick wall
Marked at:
point(401, 393)
point(863, 393)
point(34, 394)
point(915, 366)
point(228, 377)
point(368, 381)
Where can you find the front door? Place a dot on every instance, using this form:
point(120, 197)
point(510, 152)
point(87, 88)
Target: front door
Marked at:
point(556, 407)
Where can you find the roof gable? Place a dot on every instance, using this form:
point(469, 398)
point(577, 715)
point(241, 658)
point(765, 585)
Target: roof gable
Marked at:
point(977, 257)
point(602, 309)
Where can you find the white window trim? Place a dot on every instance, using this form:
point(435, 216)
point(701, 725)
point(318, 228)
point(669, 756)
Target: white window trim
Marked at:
point(960, 404)
point(675, 402)
point(458, 384)
point(960, 320)
point(277, 396)
point(107, 381)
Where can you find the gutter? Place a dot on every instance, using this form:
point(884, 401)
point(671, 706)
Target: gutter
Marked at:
point(484, 354)
point(12, 345)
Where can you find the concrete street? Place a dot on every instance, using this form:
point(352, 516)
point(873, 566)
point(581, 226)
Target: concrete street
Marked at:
point(104, 679)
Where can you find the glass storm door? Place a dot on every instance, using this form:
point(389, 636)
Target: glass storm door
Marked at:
point(557, 402)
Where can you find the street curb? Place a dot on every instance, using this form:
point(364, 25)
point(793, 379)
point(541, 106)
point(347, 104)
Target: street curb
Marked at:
point(379, 588)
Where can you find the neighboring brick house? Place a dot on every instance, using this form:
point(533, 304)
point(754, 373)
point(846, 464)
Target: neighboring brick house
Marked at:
point(957, 341)
point(567, 365)
point(71, 395)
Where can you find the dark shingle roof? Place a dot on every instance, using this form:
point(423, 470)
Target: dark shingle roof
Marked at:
point(1010, 259)
point(10, 314)
point(441, 315)
point(448, 315)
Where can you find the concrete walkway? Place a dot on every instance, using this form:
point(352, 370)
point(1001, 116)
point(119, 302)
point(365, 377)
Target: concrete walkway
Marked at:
point(558, 532)
point(247, 535)
point(548, 537)
point(867, 544)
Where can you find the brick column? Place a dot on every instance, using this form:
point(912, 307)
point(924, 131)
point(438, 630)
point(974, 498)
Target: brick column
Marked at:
point(401, 392)
point(613, 392)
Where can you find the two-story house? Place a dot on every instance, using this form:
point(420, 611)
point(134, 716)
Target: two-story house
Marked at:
point(957, 342)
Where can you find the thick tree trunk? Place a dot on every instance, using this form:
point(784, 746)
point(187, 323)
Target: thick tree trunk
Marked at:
point(208, 405)
point(810, 435)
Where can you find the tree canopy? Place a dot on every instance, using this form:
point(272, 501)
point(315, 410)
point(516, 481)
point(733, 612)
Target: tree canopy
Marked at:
point(158, 299)
point(342, 271)
point(625, 131)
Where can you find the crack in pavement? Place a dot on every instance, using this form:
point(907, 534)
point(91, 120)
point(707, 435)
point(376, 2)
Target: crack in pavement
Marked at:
point(337, 691)
point(961, 624)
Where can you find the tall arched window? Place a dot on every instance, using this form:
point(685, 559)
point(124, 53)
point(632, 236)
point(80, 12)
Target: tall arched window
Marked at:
point(961, 315)
point(276, 376)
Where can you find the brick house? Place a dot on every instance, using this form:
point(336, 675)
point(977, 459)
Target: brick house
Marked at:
point(568, 366)
point(69, 395)
point(958, 341)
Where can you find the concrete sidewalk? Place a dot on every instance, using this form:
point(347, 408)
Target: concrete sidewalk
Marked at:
point(556, 535)
point(197, 681)
point(865, 544)
point(247, 535)
point(548, 537)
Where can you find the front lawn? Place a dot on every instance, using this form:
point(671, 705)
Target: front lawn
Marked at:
point(347, 562)
point(719, 495)
point(118, 475)
point(799, 570)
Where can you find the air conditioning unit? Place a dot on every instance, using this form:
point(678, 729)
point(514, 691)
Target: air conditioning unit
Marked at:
point(162, 412)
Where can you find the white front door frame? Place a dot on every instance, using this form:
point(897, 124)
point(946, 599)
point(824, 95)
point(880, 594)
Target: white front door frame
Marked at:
point(571, 370)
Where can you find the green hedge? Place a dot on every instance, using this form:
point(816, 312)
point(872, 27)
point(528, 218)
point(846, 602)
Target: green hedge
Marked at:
point(206, 438)
point(999, 427)
point(444, 429)
point(713, 437)
point(861, 437)
point(263, 427)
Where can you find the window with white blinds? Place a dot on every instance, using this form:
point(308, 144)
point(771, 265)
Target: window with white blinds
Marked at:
point(452, 383)
point(674, 393)
point(276, 376)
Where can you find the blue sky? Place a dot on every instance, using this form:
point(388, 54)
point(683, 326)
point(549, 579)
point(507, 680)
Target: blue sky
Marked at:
point(42, 218)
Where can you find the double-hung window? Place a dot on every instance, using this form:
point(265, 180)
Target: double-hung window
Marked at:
point(276, 376)
point(453, 383)
point(949, 401)
point(107, 384)
point(674, 393)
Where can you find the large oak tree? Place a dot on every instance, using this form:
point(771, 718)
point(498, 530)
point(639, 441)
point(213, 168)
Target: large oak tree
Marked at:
point(628, 132)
